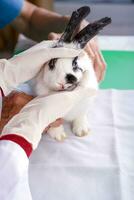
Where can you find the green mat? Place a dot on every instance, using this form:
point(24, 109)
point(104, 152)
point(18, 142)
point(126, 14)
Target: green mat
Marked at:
point(120, 70)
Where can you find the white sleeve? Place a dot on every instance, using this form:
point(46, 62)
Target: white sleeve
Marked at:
point(13, 172)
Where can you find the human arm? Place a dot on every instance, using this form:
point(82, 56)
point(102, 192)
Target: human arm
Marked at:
point(22, 135)
point(13, 159)
point(30, 122)
point(36, 23)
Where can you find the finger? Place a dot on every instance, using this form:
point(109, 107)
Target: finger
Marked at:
point(21, 98)
point(103, 66)
point(90, 52)
point(55, 124)
point(63, 52)
point(97, 67)
point(54, 36)
point(100, 66)
point(92, 48)
point(99, 62)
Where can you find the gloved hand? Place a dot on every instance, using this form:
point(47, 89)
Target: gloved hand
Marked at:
point(30, 122)
point(26, 65)
point(13, 103)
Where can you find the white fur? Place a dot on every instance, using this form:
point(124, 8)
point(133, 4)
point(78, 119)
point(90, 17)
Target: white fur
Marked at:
point(48, 82)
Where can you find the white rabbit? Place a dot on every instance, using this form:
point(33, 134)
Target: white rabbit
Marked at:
point(66, 74)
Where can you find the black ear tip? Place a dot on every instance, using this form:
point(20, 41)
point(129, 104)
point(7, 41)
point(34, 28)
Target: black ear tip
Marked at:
point(90, 31)
point(84, 9)
point(106, 20)
point(76, 17)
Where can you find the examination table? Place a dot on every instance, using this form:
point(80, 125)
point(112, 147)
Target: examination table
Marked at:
point(100, 165)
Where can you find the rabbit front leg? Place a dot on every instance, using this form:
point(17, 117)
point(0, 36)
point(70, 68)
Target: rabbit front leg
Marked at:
point(57, 133)
point(80, 126)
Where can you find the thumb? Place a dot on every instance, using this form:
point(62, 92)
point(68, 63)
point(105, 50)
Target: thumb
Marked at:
point(54, 36)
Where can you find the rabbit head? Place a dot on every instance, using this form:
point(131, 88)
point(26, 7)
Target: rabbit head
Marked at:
point(66, 73)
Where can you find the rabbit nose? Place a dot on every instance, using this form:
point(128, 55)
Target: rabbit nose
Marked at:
point(70, 78)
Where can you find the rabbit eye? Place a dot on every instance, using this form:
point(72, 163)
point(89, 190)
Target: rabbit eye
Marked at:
point(75, 69)
point(75, 65)
point(52, 63)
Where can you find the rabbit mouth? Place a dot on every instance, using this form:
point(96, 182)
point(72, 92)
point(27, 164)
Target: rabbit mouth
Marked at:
point(71, 87)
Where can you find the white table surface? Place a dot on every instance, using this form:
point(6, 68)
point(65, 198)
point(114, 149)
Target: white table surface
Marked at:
point(99, 166)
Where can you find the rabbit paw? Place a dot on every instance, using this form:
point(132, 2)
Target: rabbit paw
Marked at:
point(57, 133)
point(80, 128)
point(81, 131)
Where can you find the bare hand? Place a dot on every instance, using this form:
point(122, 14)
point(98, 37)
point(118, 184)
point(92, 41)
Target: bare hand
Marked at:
point(13, 103)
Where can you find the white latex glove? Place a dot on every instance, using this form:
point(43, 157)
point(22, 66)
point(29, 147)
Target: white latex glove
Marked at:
point(26, 65)
point(31, 121)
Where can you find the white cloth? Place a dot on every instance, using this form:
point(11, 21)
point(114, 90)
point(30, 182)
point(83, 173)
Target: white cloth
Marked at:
point(99, 166)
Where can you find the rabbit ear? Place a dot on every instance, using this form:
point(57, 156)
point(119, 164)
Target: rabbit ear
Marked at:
point(90, 31)
point(76, 17)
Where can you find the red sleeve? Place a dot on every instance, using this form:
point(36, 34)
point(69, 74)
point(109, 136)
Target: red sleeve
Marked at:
point(22, 142)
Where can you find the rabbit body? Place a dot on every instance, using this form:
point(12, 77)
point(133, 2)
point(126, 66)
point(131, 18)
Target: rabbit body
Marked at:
point(50, 81)
point(67, 74)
